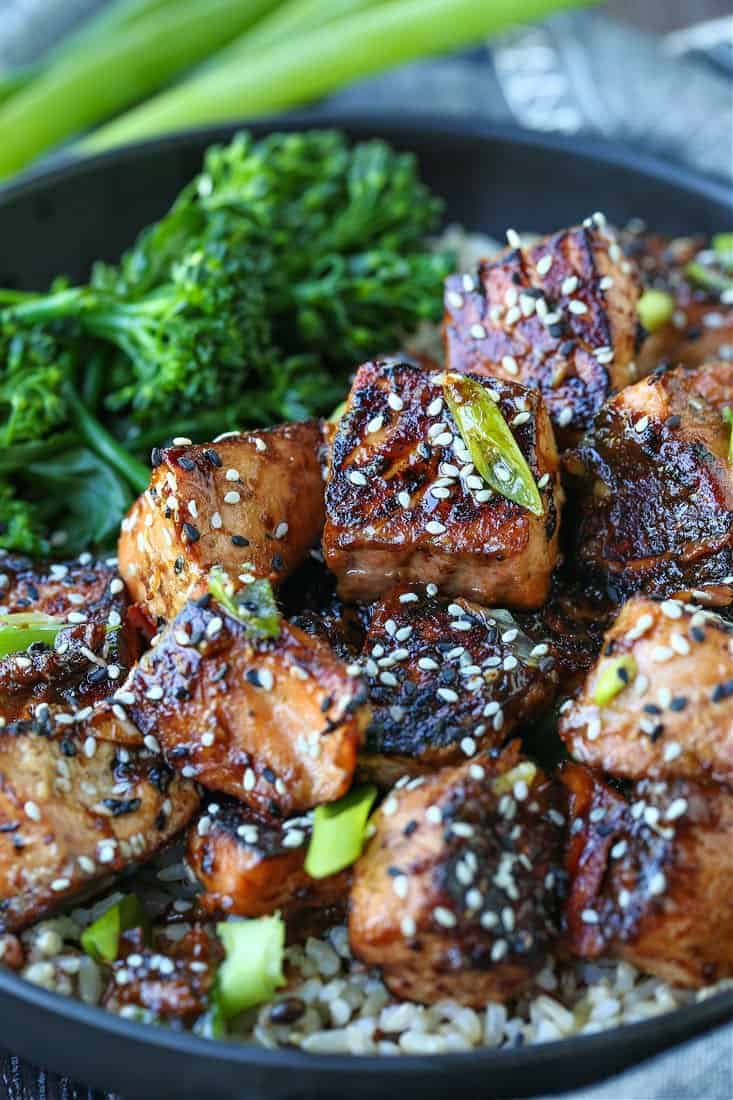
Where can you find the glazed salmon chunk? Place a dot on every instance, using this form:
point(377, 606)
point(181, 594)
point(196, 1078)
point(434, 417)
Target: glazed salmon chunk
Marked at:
point(75, 807)
point(655, 491)
point(457, 893)
point(651, 875)
point(251, 503)
point(659, 701)
point(447, 679)
point(404, 501)
point(249, 867)
point(270, 716)
point(558, 315)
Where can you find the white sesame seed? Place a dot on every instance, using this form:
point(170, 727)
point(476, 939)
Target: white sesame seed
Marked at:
point(509, 364)
point(657, 884)
point(544, 264)
point(375, 424)
point(216, 520)
point(401, 886)
point(468, 746)
point(672, 609)
point(232, 497)
point(453, 299)
point(676, 809)
point(435, 528)
point(513, 238)
point(447, 695)
point(565, 416)
point(468, 284)
point(408, 926)
point(60, 884)
point(356, 477)
point(232, 475)
point(395, 403)
point(249, 780)
point(672, 751)
point(433, 815)
point(90, 747)
point(513, 315)
point(435, 407)
point(281, 530)
point(155, 692)
point(444, 917)
point(569, 284)
point(116, 585)
point(32, 811)
point(151, 743)
point(427, 664)
point(589, 916)
point(641, 424)
point(181, 441)
point(578, 307)
point(390, 806)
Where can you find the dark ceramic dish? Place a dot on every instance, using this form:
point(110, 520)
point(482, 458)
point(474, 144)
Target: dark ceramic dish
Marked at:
point(491, 178)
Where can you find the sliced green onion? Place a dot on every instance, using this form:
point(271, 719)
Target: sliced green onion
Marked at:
point(490, 442)
point(728, 418)
point(709, 278)
point(613, 677)
point(253, 967)
point(655, 309)
point(101, 940)
point(254, 606)
point(338, 834)
point(526, 772)
point(337, 413)
point(18, 631)
point(723, 248)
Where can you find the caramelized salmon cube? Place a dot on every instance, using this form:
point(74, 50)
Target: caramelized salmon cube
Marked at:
point(249, 867)
point(75, 807)
point(457, 893)
point(558, 315)
point(250, 503)
point(273, 720)
point(447, 679)
point(651, 875)
point(404, 502)
point(659, 701)
point(655, 491)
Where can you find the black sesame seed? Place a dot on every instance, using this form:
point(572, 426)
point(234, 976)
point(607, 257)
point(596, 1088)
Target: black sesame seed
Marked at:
point(673, 421)
point(394, 872)
point(186, 463)
point(652, 708)
point(253, 677)
point(156, 457)
point(678, 703)
point(566, 348)
point(118, 806)
point(192, 533)
point(68, 748)
point(269, 775)
point(656, 732)
point(277, 563)
point(239, 540)
point(212, 456)
point(409, 828)
point(326, 703)
point(178, 565)
point(697, 633)
point(722, 691)
point(287, 1011)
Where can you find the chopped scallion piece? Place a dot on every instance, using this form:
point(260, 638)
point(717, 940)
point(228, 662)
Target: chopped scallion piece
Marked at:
point(101, 940)
point(337, 413)
point(655, 309)
point(728, 418)
point(723, 247)
point(18, 631)
point(253, 967)
point(254, 606)
point(490, 442)
point(613, 677)
point(338, 835)
point(710, 278)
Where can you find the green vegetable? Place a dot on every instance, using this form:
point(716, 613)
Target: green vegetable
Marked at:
point(254, 605)
point(655, 309)
point(284, 263)
point(253, 967)
point(710, 278)
point(723, 247)
point(728, 418)
point(305, 66)
point(101, 940)
point(489, 439)
point(19, 630)
point(613, 676)
point(339, 829)
point(120, 68)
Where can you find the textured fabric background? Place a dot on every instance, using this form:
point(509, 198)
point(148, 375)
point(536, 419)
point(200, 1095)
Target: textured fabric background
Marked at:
point(579, 72)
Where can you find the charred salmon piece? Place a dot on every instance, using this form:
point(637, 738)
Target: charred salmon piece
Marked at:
point(172, 982)
point(651, 875)
point(310, 602)
point(558, 315)
point(251, 503)
point(75, 808)
point(701, 327)
point(273, 720)
point(84, 666)
point(457, 894)
point(249, 867)
point(405, 504)
point(654, 488)
point(570, 628)
point(659, 701)
point(83, 588)
point(447, 679)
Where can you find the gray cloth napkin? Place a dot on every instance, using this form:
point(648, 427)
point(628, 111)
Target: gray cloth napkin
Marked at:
point(577, 73)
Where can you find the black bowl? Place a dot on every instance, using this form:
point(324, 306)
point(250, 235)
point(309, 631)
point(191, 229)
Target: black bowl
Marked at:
point(491, 178)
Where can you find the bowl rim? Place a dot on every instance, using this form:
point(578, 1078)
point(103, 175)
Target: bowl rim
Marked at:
point(677, 1025)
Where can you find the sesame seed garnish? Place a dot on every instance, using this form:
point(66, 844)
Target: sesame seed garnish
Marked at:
point(408, 926)
point(435, 407)
point(453, 299)
point(249, 780)
point(657, 884)
point(232, 497)
point(151, 743)
point(513, 238)
point(577, 307)
point(672, 751)
point(509, 364)
point(395, 403)
point(444, 917)
point(32, 811)
point(232, 475)
point(60, 884)
point(544, 264)
point(569, 284)
point(589, 916)
point(672, 609)
point(401, 885)
point(375, 424)
point(216, 520)
point(513, 315)
point(281, 530)
point(435, 528)
point(155, 692)
point(390, 806)
point(181, 441)
point(468, 284)
point(565, 416)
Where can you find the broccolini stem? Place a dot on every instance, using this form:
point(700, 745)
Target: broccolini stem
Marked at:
point(135, 473)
